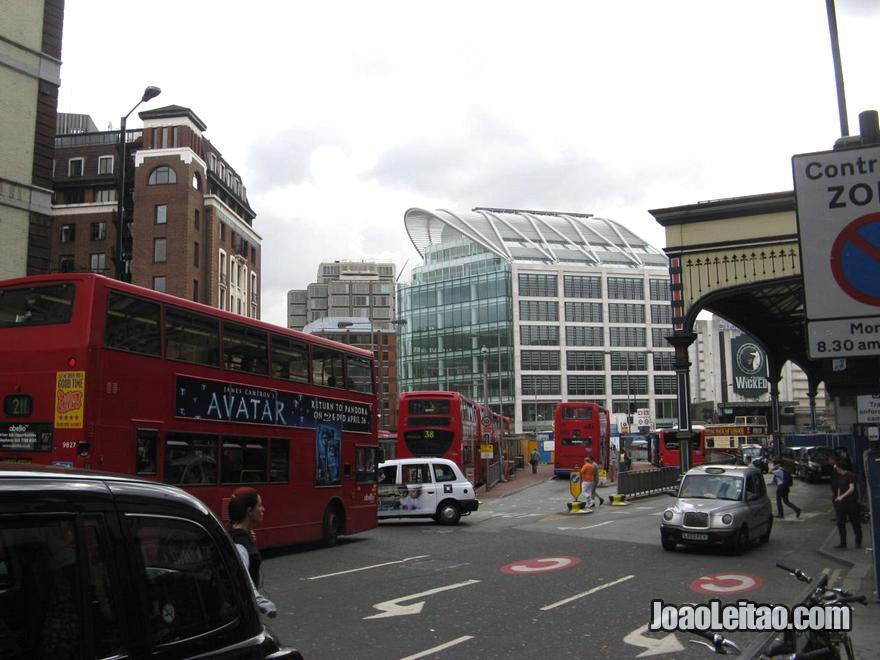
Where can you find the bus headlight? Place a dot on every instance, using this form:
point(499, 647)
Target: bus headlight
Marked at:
point(667, 515)
point(727, 519)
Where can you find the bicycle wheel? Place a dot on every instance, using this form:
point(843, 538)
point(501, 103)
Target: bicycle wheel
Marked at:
point(848, 648)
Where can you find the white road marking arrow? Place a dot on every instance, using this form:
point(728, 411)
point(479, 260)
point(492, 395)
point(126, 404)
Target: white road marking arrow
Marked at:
point(653, 646)
point(394, 608)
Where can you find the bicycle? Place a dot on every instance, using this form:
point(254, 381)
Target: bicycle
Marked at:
point(816, 644)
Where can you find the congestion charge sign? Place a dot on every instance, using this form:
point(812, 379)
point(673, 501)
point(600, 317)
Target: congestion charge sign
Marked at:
point(838, 214)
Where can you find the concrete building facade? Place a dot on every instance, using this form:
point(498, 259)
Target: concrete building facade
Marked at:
point(30, 75)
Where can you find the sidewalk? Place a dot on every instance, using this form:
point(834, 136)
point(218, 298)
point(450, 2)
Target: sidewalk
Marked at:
point(523, 479)
point(865, 634)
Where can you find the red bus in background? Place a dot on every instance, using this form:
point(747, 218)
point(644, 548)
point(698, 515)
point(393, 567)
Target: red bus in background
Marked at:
point(96, 373)
point(670, 454)
point(443, 425)
point(581, 429)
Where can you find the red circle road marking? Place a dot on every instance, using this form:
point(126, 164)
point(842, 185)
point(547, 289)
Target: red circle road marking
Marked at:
point(727, 583)
point(540, 565)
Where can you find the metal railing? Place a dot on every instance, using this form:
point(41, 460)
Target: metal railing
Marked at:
point(635, 483)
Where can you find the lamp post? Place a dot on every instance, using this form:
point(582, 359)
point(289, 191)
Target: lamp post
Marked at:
point(123, 271)
point(497, 336)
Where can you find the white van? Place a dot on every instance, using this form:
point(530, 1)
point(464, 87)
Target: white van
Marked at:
point(424, 488)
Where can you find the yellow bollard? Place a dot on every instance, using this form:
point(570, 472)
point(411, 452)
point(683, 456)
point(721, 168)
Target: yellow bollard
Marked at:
point(619, 500)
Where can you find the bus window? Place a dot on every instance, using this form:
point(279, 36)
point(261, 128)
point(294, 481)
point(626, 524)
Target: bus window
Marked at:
point(289, 358)
point(360, 374)
point(279, 460)
point(243, 461)
point(147, 451)
point(365, 459)
point(245, 349)
point(191, 337)
point(133, 325)
point(326, 367)
point(190, 459)
point(36, 305)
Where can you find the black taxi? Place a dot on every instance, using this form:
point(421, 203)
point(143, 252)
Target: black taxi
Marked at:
point(97, 565)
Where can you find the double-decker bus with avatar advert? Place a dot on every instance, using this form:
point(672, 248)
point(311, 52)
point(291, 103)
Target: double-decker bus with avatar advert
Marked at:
point(444, 424)
point(582, 429)
point(100, 374)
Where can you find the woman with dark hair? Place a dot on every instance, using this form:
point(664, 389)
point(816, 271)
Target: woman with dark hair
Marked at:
point(246, 512)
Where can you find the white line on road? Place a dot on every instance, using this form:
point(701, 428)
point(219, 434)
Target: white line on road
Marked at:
point(366, 568)
point(442, 647)
point(607, 522)
point(587, 593)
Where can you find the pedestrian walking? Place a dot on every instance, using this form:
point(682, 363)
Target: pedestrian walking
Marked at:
point(595, 494)
point(625, 460)
point(782, 479)
point(847, 504)
point(534, 459)
point(245, 513)
point(588, 480)
point(835, 478)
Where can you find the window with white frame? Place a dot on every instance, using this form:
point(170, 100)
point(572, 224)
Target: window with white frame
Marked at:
point(159, 283)
point(75, 167)
point(97, 262)
point(159, 250)
point(68, 233)
point(105, 195)
point(105, 164)
point(98, 231)
point(161, 214)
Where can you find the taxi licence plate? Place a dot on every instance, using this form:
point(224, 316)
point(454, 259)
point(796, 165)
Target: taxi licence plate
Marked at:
point(690, 536)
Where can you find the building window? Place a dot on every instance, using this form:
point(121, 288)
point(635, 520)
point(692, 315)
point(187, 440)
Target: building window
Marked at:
point(658, 337)
point(661, 314)
point(161, 214)
point(97, 262)
point(665, 385)
point(159, 250)
point(535, 285)
point(196, 290)
point(664, 361)
point(541, 384)
point(538, 310)
point(626, 288)
point(197, 181)
point(626, 336)
point(580, 335)
point(65, 263)
point(253, 287)
point(584, 361)
point(222, 268)
point(99, 231)
point(583, 312)
point(583, 286)
point(196, 220)
point(222, 232)
point(539, 360)
point(665, 408)
point(105, 164)
point(68, 233)
point(626, 313)
point(659, 289)
point(586, 385)
point(196, 254)
point(105, 195)
point(75, 167)
point(628, 361)
point(539, 335)
point(159, 283)
point(162, 175)
point(629, 384)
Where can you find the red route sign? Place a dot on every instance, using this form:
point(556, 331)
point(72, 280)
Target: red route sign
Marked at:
point(539, 565)
point(725, 584)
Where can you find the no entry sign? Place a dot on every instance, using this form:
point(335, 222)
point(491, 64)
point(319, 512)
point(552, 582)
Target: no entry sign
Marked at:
point(838, 212)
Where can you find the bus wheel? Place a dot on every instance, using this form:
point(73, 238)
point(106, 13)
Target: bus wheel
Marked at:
point(331, 529)
point(448, 513)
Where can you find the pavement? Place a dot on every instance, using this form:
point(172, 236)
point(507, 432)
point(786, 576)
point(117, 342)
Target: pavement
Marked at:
point(865, 634)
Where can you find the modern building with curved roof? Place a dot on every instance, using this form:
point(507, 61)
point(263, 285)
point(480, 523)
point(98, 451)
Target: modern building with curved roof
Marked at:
point(568, 306)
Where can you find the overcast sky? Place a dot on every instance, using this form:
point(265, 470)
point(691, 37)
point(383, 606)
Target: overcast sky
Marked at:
point(339, 116)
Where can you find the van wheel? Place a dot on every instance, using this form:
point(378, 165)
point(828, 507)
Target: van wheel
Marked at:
point(331, 527)
point(448, 513)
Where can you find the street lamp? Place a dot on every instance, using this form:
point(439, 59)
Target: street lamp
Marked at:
point(497, 336)
point(123, 270)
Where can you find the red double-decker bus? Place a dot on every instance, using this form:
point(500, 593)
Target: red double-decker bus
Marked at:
point(444, 425)
point(670, 451)
point(99, 374)
point(581, 429)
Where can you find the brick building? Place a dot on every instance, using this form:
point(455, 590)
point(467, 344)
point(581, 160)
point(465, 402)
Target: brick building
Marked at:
point(191, 225)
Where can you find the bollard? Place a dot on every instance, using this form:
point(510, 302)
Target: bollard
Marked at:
point(618, 500)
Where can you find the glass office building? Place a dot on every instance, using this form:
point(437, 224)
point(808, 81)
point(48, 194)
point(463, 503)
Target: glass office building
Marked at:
point(530, 308)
